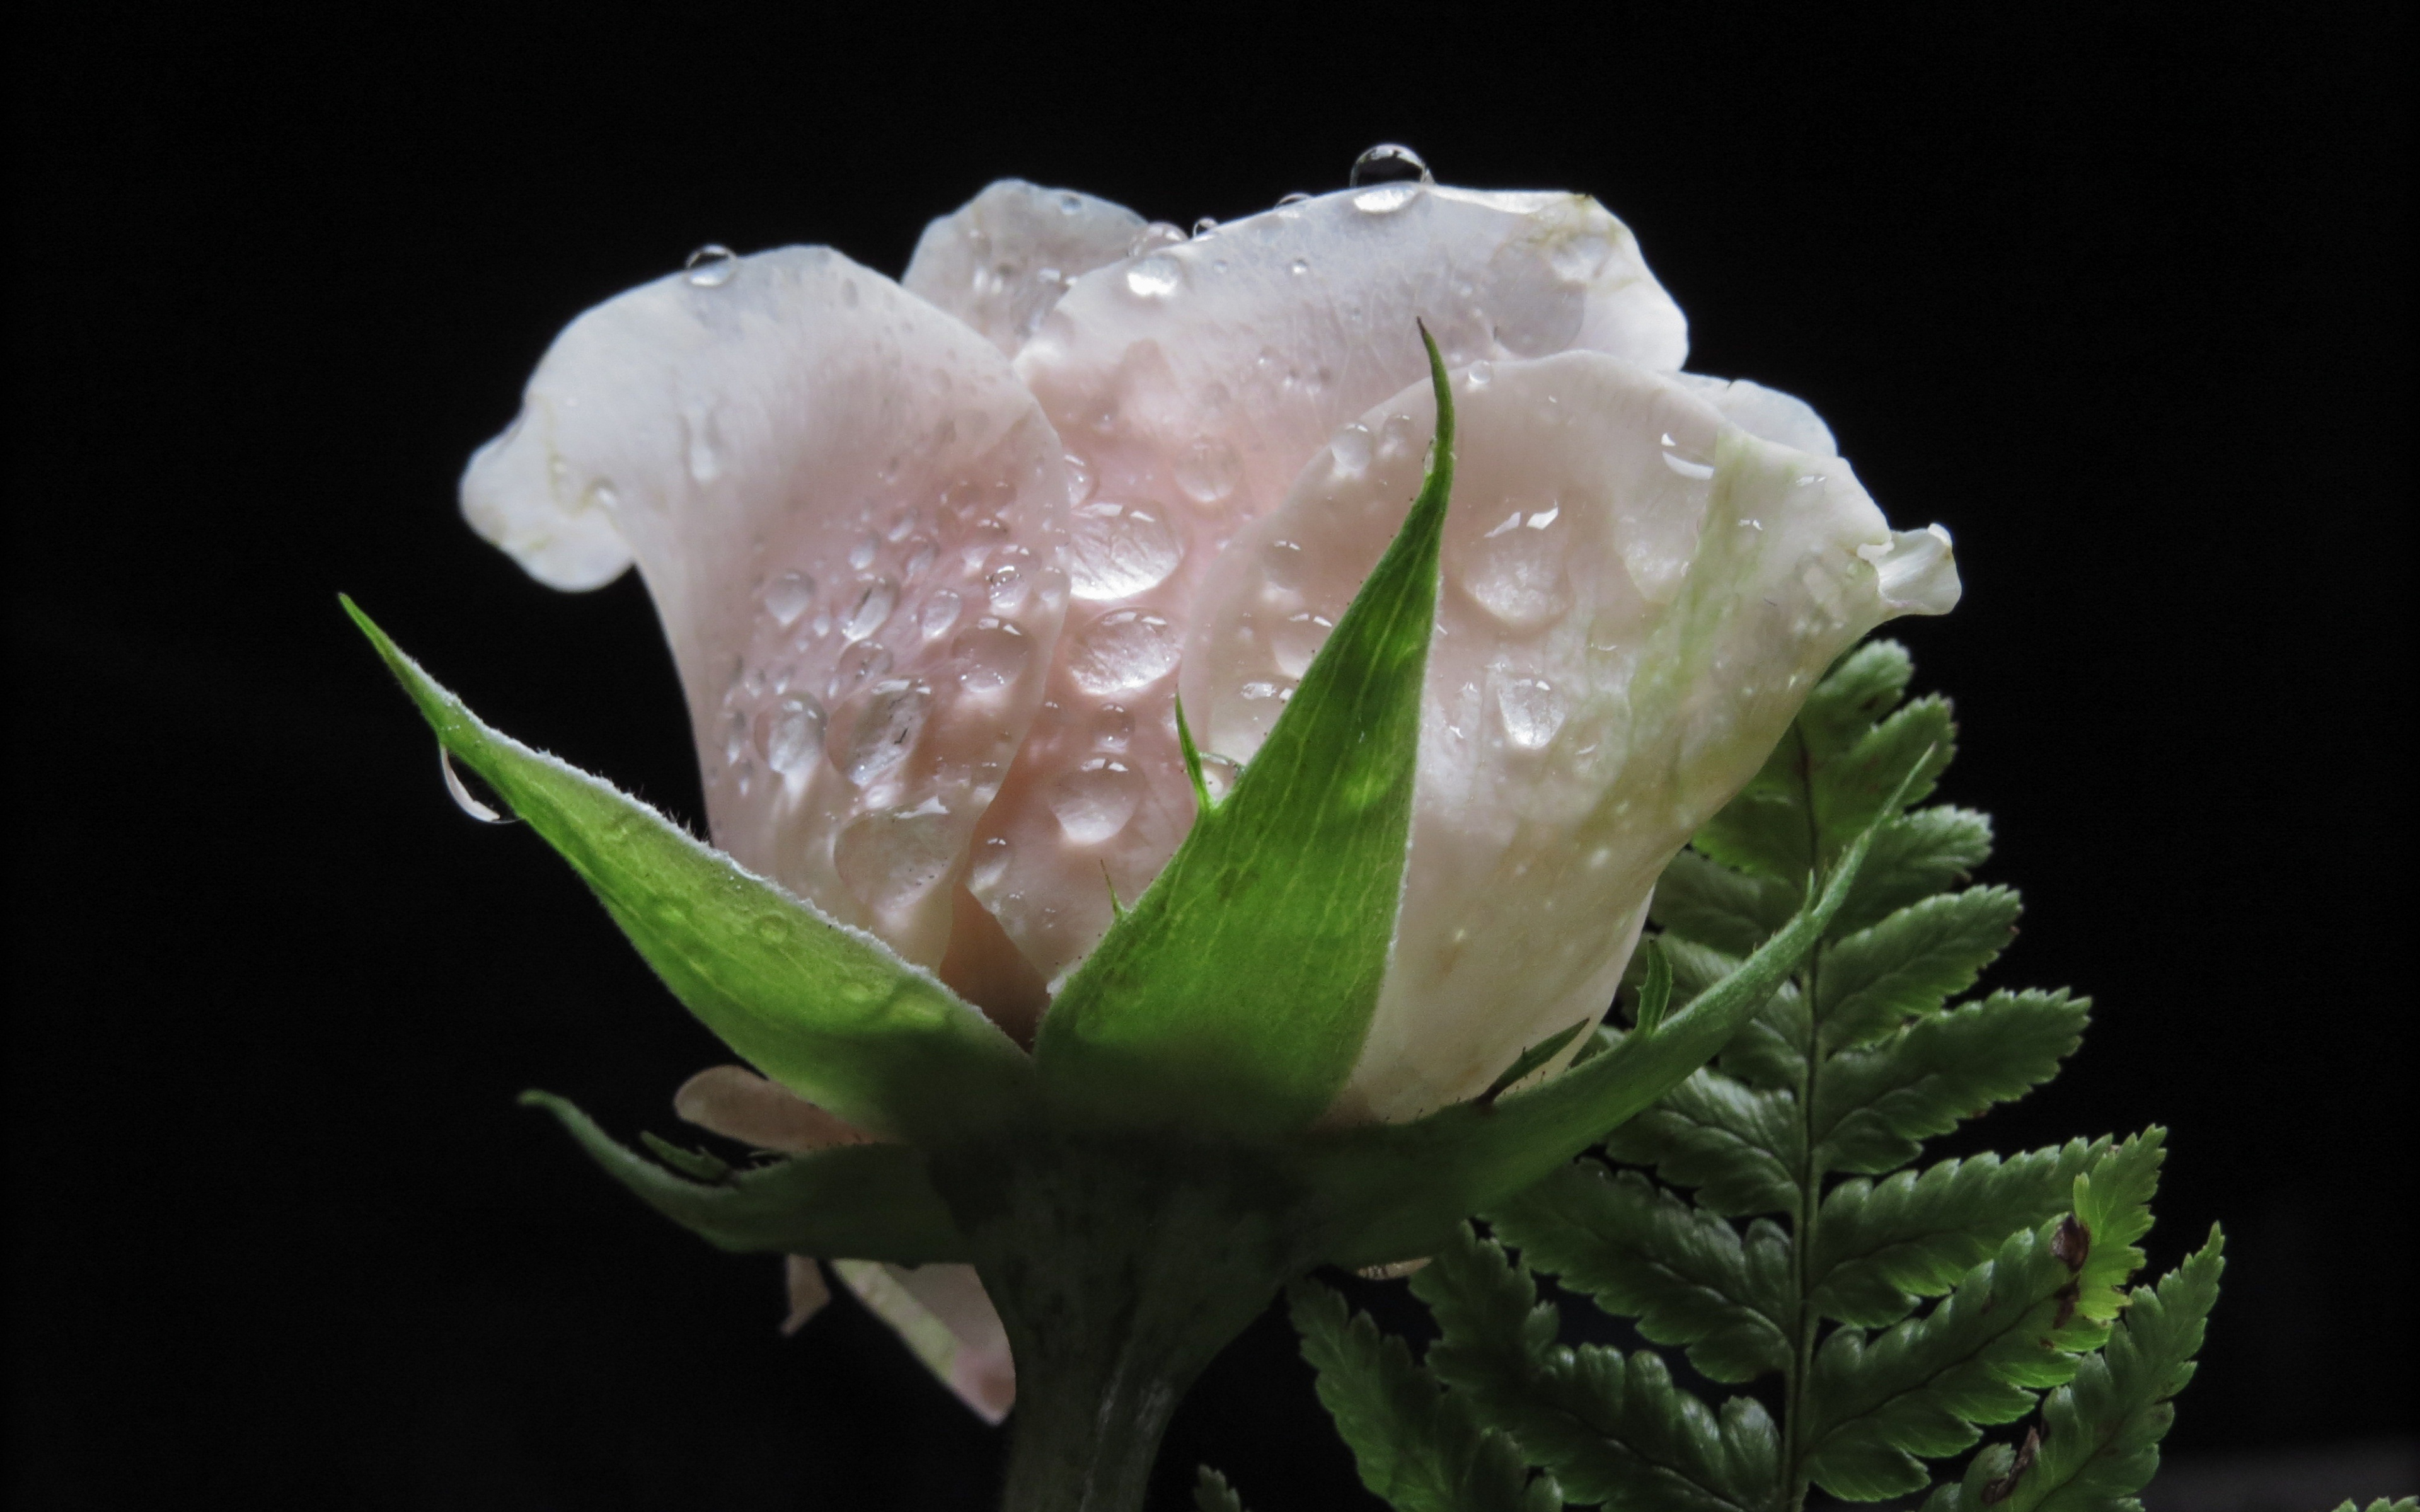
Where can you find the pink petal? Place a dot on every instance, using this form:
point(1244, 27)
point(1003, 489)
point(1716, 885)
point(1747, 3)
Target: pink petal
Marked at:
point(848, 511)
point(736, 1104)
point(1190, 384)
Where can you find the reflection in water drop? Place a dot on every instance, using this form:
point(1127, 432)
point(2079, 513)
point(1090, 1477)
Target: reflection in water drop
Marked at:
point(712, 265)
point(1295, 198)
point(1388, 163)
point(1093, 802)
point(790, 733)
point(1207, 472)
point(1159, 233)
point(1113, 552)
point(1154, 277)
point(462, 798)
point(1518, 575)
point(939, 612)
point(1686, 463)
point(789, 596)
point(1350, 450)
point(1203, 227)
point(858, 665)
point(1122, 649)
point(873, 606)
point(883, 729)
point(897, 855)
point(991, 655)
point(1531, 710)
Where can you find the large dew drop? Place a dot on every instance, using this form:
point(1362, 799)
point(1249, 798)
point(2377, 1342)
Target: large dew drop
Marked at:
point(790, 733)
point(789, 596)
point(1533, 711)
point(1122, 649)
point(1093, 802)
point(712, 265)
point(882, 730)
point(1114, 551)
point(1208, 471)
point(896, 855)
point(462, 798)
point(873, 606)
point(1519, 576)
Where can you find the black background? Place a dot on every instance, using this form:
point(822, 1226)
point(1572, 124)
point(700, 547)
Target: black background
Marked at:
point(2117, 298)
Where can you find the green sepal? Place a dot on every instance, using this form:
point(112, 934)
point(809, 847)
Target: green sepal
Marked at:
point(1420, 1448)
point(829, 1011)
point(1535, 1057)
point(1234, 994)
point(868, 1202)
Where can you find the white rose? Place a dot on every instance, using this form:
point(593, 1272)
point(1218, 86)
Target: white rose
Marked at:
point(937, 557)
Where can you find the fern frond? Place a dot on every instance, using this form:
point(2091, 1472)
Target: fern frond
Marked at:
point(1872, 1105)
point(1908, 964)
point(2011, 1327)
point(1418, 1448)
point(1687, 1277)
point(1919, 854)
point(2099, 1435)
point(1881, 1246)
point(1740, 1148)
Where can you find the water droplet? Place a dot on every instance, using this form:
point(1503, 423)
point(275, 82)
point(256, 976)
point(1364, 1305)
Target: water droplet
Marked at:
point(1531, 710)
point(1005, 588)
point(1577, 259)
point(1257, 691)
point(873, 606)
point(598, 495)
point(1114, 551)
point(1299, 267)
point(1095, 801)
point(1295, 642)
point(1124, 649)
point(1349, 449)
point(1079, 478)
point(1385, 163)
point(1203, 227)
point(939, 612)
point(1218, 774)
point(895, 855)
point(1114, 728)
point(1686, 463)
point(1482, 374)
point(483, 812)
point(879, 731)
point(1295, 198)
point(1543, 517)
point(919, 556)
point(1207, 472)
point(1386, 199)
point(990, 864)
point(992, 655)
point(735, 737)
point(789, 596)
point(1154, 277)
point(1519, 576)
point(861, 555)
point(790, 733)
point(1152, 237)
point(712, 265)
point(860, 663)
point(903, 525)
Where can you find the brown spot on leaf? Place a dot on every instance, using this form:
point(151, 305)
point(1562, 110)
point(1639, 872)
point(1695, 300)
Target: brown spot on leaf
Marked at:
point(2000, 1487)
point(2066, 1296)
point(2073, 1242)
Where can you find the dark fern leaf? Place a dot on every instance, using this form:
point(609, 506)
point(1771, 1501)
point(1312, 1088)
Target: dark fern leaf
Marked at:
point(1611, 1428)
point(1919, 854)
point(2099, 1441)
point(1740, 1148)
point(1416, 1446)
point(1882, 1246)
point(1686, 1275)
point(1907, 966)
point(1872, 1105)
